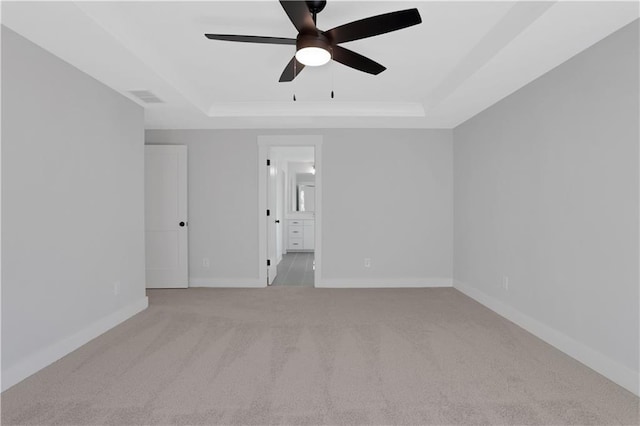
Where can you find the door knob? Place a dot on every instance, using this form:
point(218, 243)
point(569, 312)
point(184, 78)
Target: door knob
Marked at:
point(277, 221)
point(181, 223)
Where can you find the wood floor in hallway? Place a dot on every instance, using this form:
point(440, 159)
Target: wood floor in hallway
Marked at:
point(296, 270)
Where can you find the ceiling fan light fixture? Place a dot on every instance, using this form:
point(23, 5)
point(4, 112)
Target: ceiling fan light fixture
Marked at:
point(313, 50)
point(315, 47)
point(313, 56)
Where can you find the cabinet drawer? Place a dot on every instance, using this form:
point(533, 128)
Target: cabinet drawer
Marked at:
point(295, 244)
point(296, 231)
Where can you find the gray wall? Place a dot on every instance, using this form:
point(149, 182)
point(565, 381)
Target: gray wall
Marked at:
point(223, 197)
point(546, 193)
point(386, 195)
point(72, 204)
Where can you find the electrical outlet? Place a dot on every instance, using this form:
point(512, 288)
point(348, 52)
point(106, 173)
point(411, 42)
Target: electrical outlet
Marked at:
point(505, 283)
point(205, 263)
point(367, 262)
point(116, 288)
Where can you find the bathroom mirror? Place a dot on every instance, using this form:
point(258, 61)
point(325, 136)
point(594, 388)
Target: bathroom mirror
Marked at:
point(304, 197)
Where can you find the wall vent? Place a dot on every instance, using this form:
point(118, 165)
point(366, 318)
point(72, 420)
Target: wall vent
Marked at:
point(146, 96)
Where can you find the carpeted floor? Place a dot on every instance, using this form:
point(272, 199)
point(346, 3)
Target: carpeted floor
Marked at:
point(317, 356)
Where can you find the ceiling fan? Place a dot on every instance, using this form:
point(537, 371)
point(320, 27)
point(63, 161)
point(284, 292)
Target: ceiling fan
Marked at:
point(315, 47)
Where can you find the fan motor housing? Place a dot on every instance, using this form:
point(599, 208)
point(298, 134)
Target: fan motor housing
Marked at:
point(313, 40)
point(316, 6)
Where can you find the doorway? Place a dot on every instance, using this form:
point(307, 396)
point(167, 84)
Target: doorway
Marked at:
point(292, 186)
point(290, 196)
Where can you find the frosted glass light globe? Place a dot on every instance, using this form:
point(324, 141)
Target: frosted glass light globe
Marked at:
point(313, 56)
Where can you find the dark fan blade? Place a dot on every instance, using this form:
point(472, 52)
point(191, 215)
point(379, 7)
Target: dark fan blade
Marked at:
point(298, 12)
point(357, 61)
point(374, 25)
point(251, 39)
point(292, 70)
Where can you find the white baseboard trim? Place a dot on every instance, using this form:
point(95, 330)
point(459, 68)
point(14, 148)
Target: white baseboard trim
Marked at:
point(226, 282)
point(54, 352)
point(613, 370)
point(384, 282)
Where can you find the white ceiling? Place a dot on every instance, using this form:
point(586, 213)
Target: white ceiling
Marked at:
point(464, 57)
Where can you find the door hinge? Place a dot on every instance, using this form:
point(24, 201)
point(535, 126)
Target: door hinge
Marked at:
point(268, 262)
point(268, 212)
point(268, 162)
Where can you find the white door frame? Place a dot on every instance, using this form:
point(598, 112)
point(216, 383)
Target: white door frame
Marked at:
point(264, 144)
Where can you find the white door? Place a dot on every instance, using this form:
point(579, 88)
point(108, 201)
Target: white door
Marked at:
point(279, 214)
point(166, 216)
point(272, 252)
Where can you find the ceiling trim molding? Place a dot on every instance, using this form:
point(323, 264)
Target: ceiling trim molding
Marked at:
point(317, 109)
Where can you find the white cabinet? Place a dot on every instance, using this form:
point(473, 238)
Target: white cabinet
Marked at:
point(295, 235)
point(309, 235)
point(300, 234)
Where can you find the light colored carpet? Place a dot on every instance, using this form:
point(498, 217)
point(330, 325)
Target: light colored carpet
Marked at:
point(317, 356)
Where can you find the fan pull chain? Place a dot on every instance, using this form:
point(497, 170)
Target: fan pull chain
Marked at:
point(332, 83)
point(295, 63)
point(332, 80)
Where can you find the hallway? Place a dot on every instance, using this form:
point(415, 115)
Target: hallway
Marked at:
point(296, 270)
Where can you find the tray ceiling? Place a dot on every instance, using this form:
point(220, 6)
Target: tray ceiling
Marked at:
point(464, 57)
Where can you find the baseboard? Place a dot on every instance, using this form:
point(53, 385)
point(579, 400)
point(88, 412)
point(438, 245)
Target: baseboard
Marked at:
point(384, 282)
point(226, 282)
point(54, 352)
point(613, 370)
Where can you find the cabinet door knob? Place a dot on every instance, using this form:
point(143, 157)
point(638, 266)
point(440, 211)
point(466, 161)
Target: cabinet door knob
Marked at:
point(181, 224)
point(277, 221)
